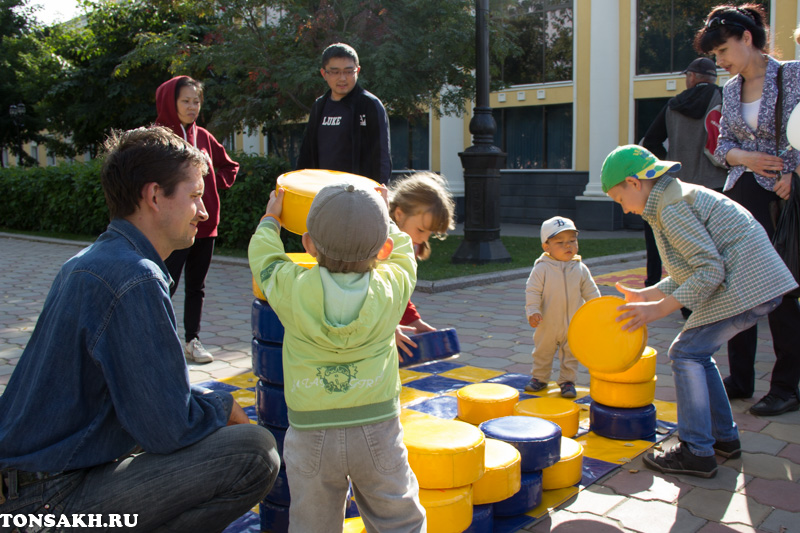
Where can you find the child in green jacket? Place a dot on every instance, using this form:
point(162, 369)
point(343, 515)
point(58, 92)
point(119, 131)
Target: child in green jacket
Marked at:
point(340, 362)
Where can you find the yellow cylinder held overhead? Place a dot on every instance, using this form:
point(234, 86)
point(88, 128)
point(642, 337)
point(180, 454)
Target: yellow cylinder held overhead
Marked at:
point(643, 370)
point(301, 186)
point(447, 510)
point(568, 470)
point(480, 402)
point(444, 453)
point(622, 394)
point(502, 475)
point(565, 413)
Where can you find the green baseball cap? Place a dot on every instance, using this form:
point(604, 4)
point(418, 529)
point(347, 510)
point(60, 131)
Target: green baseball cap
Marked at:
point(633, 161)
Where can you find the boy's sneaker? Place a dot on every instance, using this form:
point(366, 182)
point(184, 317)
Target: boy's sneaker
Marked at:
point(568, 390)
point(731, 449)
point(679, 460)
point(195, 351)
point(534, 385)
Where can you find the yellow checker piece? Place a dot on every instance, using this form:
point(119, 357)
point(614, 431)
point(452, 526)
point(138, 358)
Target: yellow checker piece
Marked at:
point(444, 453)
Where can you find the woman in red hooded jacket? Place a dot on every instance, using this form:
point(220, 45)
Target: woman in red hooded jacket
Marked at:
point(178, 102)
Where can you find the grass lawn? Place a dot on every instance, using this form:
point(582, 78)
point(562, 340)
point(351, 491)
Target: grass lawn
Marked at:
point(523, 250)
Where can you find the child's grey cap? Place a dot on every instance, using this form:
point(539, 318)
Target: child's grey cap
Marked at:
point(348, 223)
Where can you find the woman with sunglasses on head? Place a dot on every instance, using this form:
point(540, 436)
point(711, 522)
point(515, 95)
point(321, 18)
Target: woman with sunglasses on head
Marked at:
point(760, 174)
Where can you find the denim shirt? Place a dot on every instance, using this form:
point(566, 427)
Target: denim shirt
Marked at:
point(735, 133)
point(104, 368)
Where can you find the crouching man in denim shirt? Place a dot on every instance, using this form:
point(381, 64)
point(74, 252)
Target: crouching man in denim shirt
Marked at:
point(103, 376)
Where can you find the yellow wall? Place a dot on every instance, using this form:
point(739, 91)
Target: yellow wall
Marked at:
point(557, 94)
point(785, 23)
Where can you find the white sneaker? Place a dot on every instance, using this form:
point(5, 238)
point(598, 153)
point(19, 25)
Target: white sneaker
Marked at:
point(195, 351)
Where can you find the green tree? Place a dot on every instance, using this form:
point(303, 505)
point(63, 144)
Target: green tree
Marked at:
point(26, 65)
point(262, 59)
point(91, 94)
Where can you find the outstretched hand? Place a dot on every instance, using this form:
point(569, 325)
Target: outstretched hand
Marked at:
point(275, 204)
point(401, 337)
point(630, 294)
point(384, 192)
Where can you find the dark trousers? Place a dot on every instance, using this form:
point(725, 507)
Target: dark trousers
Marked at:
point(784, 321)
point(653, 258)
point(194, 261)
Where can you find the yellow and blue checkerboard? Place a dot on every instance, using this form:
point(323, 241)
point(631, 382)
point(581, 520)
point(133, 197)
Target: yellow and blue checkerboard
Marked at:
point(429, 390)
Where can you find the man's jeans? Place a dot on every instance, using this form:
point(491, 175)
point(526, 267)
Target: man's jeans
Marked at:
point(704, 412)
point(203, 487)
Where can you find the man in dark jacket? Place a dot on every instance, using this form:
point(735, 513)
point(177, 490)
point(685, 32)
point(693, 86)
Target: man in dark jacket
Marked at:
point(348, 129)
point(683, 123)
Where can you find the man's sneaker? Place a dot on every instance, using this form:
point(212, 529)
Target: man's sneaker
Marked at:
point(679, 460)
point(195, 351)
point(731, 449)
point(771, 405)
point(568, 390)
point(534, 385)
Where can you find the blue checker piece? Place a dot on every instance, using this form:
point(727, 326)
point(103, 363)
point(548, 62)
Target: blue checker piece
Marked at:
point(436, 384)
point(538, 440)
point(267, 361)
point(482, 519)
point(279, 494)
point(273, 517)
point(527, 498)
point(623, 423)
point(265, 323)
point(442, 406)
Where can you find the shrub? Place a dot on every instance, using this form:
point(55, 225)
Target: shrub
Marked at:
point(68, 198)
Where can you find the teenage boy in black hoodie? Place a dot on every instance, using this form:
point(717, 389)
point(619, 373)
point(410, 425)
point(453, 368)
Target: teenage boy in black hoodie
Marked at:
point(348, 129)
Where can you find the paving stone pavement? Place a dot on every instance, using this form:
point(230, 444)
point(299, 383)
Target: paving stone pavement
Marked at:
point(758, 492)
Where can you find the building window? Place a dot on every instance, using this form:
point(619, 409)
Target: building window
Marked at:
point(410, 142)
point(666, 30)
point(540, 37)
point(535, 136)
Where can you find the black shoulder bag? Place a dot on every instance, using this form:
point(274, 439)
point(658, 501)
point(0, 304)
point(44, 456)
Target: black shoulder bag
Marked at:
point(786, 238)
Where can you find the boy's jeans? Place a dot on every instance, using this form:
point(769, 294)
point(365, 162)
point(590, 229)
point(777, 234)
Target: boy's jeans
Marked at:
point(373, 456)
point(203, 487)
point(704, 412)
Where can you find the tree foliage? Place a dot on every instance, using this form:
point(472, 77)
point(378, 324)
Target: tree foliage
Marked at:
point(26, 66)
point(259, 60)
point(262, 59)
point(90, 95)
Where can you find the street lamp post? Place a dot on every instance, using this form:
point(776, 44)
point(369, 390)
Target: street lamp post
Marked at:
point(482, 162)
point(17, 113)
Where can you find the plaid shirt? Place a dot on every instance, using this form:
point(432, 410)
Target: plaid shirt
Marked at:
point(718, 258)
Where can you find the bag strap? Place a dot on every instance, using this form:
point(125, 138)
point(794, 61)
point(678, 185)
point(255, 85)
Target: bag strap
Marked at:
point(779, 111)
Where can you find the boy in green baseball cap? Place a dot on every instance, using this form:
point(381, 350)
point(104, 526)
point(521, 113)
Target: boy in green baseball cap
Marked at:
point(721, 265)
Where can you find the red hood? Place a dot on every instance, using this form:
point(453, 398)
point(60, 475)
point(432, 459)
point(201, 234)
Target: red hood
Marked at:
point(168, 112)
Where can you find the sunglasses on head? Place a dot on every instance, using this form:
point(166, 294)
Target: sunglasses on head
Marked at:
point(715, 22)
